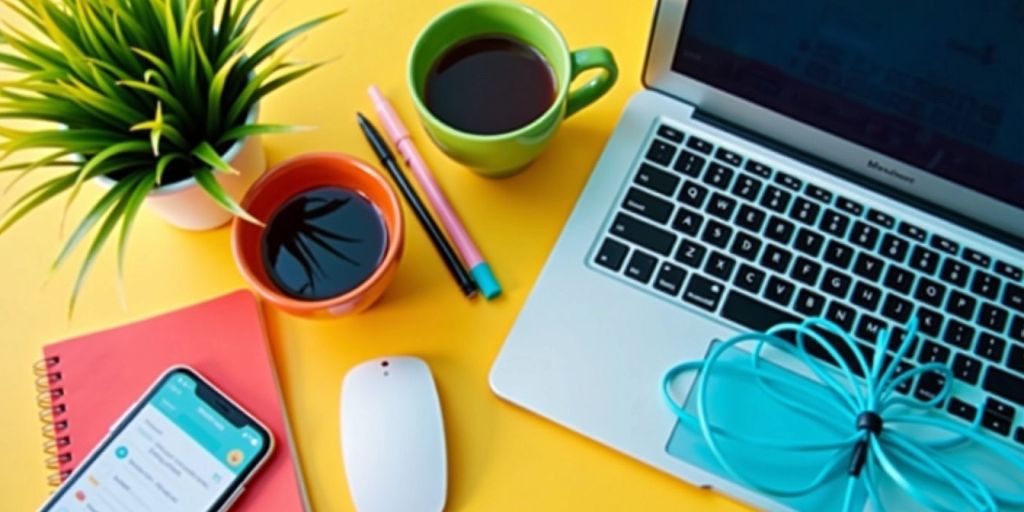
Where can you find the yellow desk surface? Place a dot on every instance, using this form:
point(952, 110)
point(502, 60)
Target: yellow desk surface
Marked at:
point(500, 457)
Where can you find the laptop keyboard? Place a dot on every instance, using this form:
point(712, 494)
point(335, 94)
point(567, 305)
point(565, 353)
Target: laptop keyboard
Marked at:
point(708, 228)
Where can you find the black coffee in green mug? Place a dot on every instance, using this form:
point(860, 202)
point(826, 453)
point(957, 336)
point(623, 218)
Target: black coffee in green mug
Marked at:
point(490, 84)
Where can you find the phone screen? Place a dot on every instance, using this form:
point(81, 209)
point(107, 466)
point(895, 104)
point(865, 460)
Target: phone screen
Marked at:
point(185, 447)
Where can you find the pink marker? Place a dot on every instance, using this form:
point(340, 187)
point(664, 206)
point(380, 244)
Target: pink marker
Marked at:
point(399, 136)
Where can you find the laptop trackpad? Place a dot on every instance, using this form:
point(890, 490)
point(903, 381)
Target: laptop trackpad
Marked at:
point(737, 403)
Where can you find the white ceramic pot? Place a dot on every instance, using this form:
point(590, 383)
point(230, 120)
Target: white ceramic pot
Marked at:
point(186, 205)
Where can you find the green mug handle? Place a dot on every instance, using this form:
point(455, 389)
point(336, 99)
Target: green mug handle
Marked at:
point(586, 59)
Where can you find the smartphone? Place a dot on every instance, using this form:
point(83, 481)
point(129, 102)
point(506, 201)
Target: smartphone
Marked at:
point(184, 446)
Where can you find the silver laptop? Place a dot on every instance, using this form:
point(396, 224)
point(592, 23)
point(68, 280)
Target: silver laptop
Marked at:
point(859, 161)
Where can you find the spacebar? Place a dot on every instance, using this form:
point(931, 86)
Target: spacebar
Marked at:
point(754, 314)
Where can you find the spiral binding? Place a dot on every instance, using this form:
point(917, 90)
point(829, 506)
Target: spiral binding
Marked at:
point(51, 411)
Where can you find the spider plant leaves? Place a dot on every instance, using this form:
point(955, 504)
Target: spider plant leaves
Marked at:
point(131, 211)
point(139, 88)
point(209, 183)
point(112, 197)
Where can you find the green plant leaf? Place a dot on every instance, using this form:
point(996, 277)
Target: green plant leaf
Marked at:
point(249, 130)
point(209, 156)
point(106, 202)
point(209, 183)
point(271, 46)
point(161, 165)
point(97, 160)
point(36, 198)
point(135, 200)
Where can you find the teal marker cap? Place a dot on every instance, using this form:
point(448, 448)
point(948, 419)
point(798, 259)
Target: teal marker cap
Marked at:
point(486, 281)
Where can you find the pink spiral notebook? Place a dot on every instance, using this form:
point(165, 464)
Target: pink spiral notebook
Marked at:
point(87, 382)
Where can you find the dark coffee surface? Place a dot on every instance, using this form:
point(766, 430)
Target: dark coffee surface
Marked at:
point(489, 85)
point(323, 243)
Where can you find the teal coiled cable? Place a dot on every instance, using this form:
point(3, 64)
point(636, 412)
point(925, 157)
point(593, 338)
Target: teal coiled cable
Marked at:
point(875, 450)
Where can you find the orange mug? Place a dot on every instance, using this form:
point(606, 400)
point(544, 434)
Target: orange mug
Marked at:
point(299, 175)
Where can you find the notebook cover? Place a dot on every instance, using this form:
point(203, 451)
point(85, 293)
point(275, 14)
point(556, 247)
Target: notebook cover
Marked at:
point(102, 374)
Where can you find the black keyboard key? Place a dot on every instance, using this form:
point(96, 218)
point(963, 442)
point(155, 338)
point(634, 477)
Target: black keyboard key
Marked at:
point(746, 187)
point(779, 291)
point(670, 279)
point(930, 292)
point(961, 305)
point(780, 230)
point(954, 272)
point(841, 315)
point(703, 292)
point(754, 314)
point(691, 254)
point(1013, 297)
point(1016, 359)
point(689, 163)
point(750, 218)
point(643, 234)
point(838, 254)
point(929, 321)
point(611, 254)
point(924, 260)
point(894, 247)
point(819, 194)
point(749, 279)
point(1019, 436)
point(913, 232)
point(993, 317)
point(881, 218)
point(721, 206)
point(962, 410)
point(719, 176)
point(700, 145)
point(868, 328)
point(1007, 270)
point(758, 169)
point(978, 258)
point(746, 246)
point(776, 199)
point(729, 157)
point(998, 416)
point(986, 285)
point(661, 152)
point(776, 258)
point(868, 266)
point(866, 296)
point(809, 243)
point(850, 206)
point(959, 334)
point(687, 222)
point(864, 235)
point(790, 182)
point(966, 369)
point(899, 279)
point(929, 386)
point(1004, 384)
point(641, 266)
point(834, 223)
point(806, 271)
point(646, 205)
point(717, 234)
point(805, 211)
point(809, 303)
point(1017, 328)
point(897, 338)
point(945, 245)
point(670, 133)
point(932, 352)
point(896, 308)
point(990, 347)
point(656, 180)
point(693, 194)
point(720, 266)
point(836, 283)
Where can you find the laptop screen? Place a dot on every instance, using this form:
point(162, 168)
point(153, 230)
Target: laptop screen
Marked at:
point(938, 84)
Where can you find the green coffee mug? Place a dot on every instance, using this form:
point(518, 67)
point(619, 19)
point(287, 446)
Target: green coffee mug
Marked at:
point(507, 153)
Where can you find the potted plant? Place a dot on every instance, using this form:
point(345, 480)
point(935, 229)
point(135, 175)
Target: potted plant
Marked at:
point(156, 100)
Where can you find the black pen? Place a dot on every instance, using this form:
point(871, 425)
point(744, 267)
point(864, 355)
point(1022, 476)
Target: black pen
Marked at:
point(387, 159)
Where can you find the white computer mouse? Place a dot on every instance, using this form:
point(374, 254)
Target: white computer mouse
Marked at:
point(392, 437)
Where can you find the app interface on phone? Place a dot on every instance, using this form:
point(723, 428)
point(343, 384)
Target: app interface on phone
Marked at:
point(177, 453)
